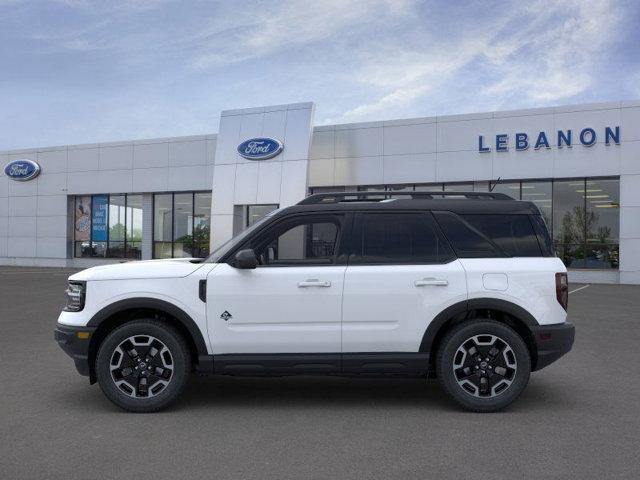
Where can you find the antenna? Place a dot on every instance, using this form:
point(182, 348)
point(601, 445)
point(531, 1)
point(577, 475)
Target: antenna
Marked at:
point(494, 185)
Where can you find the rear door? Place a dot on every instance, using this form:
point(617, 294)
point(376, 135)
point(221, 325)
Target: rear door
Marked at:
point(401, 274)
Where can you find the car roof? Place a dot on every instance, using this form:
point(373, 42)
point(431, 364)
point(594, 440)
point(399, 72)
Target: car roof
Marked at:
point(472, 203)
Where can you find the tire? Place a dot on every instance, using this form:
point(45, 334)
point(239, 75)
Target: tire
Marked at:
point(148, 346)
point(460, 368)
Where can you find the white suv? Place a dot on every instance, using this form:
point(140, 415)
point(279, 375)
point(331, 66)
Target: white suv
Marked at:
point(463, 286)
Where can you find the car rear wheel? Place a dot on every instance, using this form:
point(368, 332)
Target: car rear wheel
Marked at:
point(143, 365)
point(483, 365)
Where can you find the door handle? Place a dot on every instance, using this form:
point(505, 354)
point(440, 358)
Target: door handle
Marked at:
point(431, 281)
point(314, 283)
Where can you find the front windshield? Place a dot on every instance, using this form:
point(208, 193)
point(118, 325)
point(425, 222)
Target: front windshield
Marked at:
point(230, 244)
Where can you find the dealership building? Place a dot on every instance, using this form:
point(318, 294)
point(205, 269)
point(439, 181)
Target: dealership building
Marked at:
point(84, 205)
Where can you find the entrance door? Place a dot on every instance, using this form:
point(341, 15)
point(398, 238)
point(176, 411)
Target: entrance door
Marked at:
point(290, 303)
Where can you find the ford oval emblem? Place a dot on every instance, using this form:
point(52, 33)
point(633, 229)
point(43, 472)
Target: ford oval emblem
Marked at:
point(22, 170)
point(260, 148)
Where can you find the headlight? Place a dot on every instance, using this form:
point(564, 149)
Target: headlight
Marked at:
point(75, 296)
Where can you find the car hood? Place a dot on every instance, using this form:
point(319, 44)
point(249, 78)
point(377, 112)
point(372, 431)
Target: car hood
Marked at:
point(171, 268)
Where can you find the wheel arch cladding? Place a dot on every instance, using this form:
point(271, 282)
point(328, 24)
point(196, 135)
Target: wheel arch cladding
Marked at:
point(501, 310)
point(126, 310)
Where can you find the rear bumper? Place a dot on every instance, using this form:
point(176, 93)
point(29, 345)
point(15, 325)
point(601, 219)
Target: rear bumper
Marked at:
point(552, 342)
point(75, 345)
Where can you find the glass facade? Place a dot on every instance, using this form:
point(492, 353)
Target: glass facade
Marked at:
point(108, 226)
point(181, 224)
point(257, 212)
point(582, 215)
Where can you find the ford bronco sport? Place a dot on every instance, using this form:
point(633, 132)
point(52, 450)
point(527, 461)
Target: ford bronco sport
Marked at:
point(463, 286)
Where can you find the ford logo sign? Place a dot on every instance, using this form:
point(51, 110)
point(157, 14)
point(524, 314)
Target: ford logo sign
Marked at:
point(260, 148)
point(22, 170)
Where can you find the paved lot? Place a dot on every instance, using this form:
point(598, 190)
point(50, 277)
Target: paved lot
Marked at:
point(578, 419)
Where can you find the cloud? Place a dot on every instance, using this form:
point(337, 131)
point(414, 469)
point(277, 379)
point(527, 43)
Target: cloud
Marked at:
point(260, 32)
point(541, 53)
point(555, 63)
point(124, 69)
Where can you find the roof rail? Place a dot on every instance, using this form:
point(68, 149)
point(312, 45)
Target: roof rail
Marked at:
point(338, 197)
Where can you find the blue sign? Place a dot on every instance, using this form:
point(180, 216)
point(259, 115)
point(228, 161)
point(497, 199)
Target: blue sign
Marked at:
point(587, 137)
point(22, 170)
point(99, 205)
point(260, 148)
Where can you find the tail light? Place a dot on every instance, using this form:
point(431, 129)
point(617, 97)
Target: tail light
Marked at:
point(562, 289)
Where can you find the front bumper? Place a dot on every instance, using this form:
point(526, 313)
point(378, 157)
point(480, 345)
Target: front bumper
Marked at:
point(75, 343)
point(552, 342)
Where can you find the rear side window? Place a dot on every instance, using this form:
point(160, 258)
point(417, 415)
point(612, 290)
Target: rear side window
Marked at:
point(400, 238)
point(542, 232)
point(514, 234)
point(466, 240)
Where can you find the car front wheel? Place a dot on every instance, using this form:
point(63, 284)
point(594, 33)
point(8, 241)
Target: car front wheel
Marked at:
point(483, 365)
point(143, 365)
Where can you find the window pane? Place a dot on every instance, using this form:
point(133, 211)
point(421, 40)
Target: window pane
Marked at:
point(571, 255)
point(82, 249)
point(465, 241)
point(373, 188)
point(161, 249)
point(327, 190)
point(82, 230)
point(568, 212)
point(99, 214)
point(429, 187)
point(512, 233)
point(542, 232)
point(134, 226)
point(511, 189)
point(116, 218)
point(257, 212)
point(603, 211)
point(183, 224)
point(400, 188)
point(540, 194)
point(99, 249)
point(201, 225)
point(116, 226)
point(162, 217)
point(458, 187)
point(306, 243)
point(82, 227)
point(603, 256)
point(393, 238)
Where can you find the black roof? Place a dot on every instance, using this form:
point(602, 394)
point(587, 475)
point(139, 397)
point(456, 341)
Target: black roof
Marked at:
point(458, 202)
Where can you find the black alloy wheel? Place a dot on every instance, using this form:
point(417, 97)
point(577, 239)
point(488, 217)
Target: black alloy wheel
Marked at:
point(483, 365)
point(143, 365)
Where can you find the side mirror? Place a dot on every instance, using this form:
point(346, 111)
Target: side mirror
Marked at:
point(246, 259)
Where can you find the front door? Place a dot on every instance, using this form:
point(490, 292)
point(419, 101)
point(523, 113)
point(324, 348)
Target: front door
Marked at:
point(290, 303)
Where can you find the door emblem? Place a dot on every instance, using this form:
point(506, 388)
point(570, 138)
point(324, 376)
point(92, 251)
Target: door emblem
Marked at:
point(226, 316)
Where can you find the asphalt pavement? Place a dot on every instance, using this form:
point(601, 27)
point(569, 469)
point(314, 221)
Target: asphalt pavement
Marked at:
point(578, 418)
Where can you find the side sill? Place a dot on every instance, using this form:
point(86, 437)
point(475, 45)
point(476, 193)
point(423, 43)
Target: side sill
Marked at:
point(371, 364)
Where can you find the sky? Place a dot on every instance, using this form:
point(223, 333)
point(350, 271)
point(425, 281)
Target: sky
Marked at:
point(80, 71)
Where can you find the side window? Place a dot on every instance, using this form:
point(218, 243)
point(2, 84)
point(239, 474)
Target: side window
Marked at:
point(302, 241)
point(544, 239)
point(400, 238)
point(467, 241)
point(512, 233)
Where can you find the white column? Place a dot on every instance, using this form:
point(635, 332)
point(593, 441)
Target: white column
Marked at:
point(279, 180)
